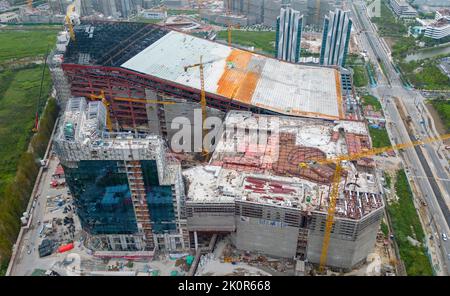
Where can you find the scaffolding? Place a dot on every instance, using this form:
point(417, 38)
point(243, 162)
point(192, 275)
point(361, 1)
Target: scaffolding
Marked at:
point(59, 78)
point(139, 198)
point(89, 154)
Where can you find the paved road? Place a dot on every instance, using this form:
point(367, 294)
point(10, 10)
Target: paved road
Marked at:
point(425, 162)
point(25, 263)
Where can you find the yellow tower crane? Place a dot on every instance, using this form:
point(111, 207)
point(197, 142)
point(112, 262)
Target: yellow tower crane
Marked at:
point(330, 216)
point(199, 4)
point(70, 10)
point(229, 25)
point(202, 95)
point(144, 101)
point(105, 102)
point(229, 21)
point(337, 178)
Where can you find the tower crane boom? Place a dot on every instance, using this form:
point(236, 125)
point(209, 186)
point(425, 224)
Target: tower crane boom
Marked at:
point(337, 177)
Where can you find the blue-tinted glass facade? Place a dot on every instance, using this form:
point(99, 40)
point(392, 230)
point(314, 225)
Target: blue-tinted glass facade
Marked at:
point(159, 199)
point(102, 197)
point(326, 22)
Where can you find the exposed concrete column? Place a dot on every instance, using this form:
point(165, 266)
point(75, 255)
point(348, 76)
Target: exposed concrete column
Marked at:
point(153, 114)
point(123, 242)
point(195, 240)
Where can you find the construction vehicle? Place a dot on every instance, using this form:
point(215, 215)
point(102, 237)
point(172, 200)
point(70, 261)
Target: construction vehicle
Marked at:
point(30, 4)
point(57, 184)
point(337, 161)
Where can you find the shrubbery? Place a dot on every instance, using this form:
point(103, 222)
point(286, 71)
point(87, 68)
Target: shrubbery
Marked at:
point(405, 222)
point(425, 74)
point(442, 107)
point(15, 196)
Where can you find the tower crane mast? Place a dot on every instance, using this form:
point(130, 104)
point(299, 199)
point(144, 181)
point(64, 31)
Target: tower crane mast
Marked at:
point(70, 10)
point(334, 195)
point(202, 95)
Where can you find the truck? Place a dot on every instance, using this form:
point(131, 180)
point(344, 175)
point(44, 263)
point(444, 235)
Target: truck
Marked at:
point(56, 184)
point(41, 229)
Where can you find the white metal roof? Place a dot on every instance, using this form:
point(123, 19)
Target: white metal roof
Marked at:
point(283, 87)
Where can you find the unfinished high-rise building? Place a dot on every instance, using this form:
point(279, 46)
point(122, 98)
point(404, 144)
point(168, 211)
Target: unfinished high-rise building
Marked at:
point(127, 188)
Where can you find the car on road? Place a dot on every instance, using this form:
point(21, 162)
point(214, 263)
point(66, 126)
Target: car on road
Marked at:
point(444, 237)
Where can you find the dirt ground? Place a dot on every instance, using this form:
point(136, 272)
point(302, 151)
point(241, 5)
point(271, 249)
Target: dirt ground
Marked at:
point(438, 122)
point(390, 41)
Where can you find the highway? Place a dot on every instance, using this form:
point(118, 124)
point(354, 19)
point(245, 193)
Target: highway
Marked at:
point(426, 166)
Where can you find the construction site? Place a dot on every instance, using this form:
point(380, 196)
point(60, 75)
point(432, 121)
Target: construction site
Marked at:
point(122, 85)
point(136, 59)
point(272, 205)
point(135, 176)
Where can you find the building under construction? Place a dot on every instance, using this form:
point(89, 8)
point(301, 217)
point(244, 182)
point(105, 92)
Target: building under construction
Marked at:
point(259, 194)
point(135, 60)
point(127, 189)
point(131, 193)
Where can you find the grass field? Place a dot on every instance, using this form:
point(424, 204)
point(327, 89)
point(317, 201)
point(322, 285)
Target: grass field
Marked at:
point(360, 77)
point(443, 109)
point(405, 222)
point(384, 229)
point(19, 91)
point(145, 20)
point(425, 74)
point(16, 44)
point(387, 179)
point(19, 95)
point(369, 100)
point(380, 137)
point(18, 101)
point(181, 11)
point(262, 41)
